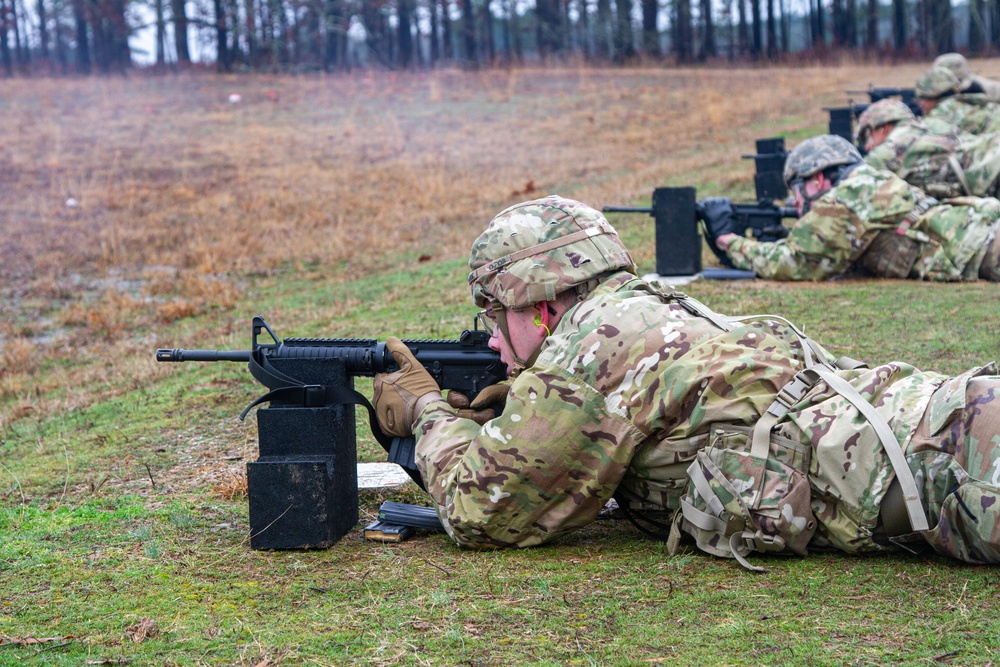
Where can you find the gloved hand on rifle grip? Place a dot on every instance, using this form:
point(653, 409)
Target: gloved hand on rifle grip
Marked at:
point(484, 406)
point(396, 395)
point(717, 214)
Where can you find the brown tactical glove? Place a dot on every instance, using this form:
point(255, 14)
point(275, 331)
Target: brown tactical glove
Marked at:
point(396, 394)
point(481, 408)
point(495, 394)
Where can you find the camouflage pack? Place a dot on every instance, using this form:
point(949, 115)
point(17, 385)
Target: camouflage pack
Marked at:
point(738, 503)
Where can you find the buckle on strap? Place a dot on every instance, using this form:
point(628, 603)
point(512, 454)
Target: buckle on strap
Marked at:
point(793, 391)
point(313, 396)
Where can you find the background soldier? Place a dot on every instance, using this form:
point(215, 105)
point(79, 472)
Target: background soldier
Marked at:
point(959, 66)
point(940, 96)
point(937, 157)
point(854, 216)
point(618, 388)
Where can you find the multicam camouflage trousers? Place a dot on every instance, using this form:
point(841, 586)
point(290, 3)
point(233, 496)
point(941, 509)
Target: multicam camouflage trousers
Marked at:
point(958, 467)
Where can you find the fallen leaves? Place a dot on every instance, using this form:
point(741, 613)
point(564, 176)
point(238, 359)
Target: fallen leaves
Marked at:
point(142, 630)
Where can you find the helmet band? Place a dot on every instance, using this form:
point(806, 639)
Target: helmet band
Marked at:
point(496, 265)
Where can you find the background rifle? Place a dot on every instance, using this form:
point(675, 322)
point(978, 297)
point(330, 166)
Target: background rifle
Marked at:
point(678, 237)
point(303, 488)
point(842, 119)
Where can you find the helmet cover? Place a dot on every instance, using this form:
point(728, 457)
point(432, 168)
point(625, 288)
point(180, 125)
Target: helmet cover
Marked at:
point(535, 250)
point(882, 113)
point(936, 82)
point(818, 153)
point(957, 64)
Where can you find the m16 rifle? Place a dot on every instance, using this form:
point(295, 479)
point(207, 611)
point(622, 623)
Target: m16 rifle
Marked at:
point(842, 119)
point(303, 488)
point(677, 213)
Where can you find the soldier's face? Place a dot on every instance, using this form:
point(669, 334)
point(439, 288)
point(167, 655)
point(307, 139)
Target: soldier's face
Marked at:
point(525, 336)
point(926, 105)
point(808, 190)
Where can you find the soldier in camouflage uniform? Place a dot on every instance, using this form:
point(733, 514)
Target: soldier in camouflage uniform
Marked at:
point(621, 389)
point(941, 96)
point(959, 66)
point(856, 217)
point(935, 156)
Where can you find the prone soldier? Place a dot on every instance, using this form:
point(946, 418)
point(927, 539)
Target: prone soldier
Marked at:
point(748, 433)
point(857, 217)
point(959, 66)
point(934, 155)
point(941, 95)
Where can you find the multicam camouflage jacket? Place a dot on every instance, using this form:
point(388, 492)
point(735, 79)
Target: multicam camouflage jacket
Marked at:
point(627, 390)
point(974, 113)
point(875, 222)
point(940, 159)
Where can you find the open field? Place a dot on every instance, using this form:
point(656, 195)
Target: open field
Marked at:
point(151, 212)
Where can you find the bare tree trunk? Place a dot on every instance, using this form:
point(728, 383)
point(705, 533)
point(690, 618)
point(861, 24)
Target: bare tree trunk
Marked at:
point(772, 34)
point(223, 62)
point(486, 24)
point(623, 35)
point(977, 27)
point(603, 32)
point(435, 9)
point(650, 32)
point(332, 35)
point(43, 31)
point(707, 49)
point(5, 55)
point(755, 45)
point(180, 31)
point(871, 26)
point(404, 13)
point(899, 32)
point(82, 39)
point(549, 30)
point(161, 33)
point(943, 26)
point(469, 33)
point(743, 32)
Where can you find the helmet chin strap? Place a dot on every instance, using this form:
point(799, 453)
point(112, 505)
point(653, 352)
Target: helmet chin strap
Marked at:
point(519, 363)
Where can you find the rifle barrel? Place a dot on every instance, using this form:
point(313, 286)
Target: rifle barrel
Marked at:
point(626, 209)
point(202, 355)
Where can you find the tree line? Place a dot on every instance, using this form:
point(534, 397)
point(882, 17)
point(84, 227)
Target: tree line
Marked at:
point(86, 36)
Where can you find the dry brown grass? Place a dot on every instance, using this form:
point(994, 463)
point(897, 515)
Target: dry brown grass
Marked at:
point(178, 196)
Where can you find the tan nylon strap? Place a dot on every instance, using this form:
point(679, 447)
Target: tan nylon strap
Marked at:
point(959, 173)
point(498, 264)
point(915, 510)
point(923, 203)
point(696, 307)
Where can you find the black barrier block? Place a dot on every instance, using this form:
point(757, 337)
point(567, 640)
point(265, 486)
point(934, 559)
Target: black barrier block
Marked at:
point(303, 488)
point(300, 502)
point(678, 246)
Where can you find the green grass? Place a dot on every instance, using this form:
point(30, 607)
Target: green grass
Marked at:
point(105, 524)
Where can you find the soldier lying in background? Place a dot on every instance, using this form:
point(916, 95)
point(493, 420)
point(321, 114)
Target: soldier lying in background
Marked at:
point(959, 66)
point(929, 153)
point(856, 217)
point(750, 434)
point(941, 96)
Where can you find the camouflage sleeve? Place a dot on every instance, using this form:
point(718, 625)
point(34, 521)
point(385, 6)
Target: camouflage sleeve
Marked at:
point(545, 467)
point(882, 157)
point(820, 245)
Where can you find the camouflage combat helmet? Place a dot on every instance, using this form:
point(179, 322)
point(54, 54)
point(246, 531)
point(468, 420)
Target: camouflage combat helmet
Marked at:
point(535, 250)
point(882, 113)
point(957, 65)
point(817, 154)
point(936, 82)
